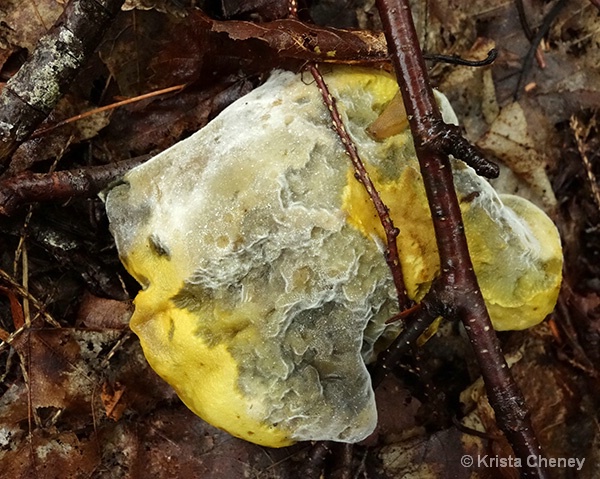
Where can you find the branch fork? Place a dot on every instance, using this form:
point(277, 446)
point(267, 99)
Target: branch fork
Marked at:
point(456, 293)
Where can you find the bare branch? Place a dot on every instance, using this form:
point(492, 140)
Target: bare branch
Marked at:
point(391, 232)
point(31, 94)
point(457, 288)
point(30, 187)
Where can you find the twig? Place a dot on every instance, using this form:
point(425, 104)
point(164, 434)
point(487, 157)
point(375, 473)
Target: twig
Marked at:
point(391, 232)
point(345, 455)
point(31, 94)
point(523, 19)
point(529, 32)
point(456, 288)
point(31, 187)
point(456, 60)
point(316, 460)
point(112, 106)
point(535, 42)
point(402, 344)
point(26, 294)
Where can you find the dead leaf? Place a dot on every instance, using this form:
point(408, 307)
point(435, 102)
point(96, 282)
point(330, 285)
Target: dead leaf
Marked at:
point(509, 140)
point(101, 313)
point(111, 399)
point(23, 23)
point(53, 147)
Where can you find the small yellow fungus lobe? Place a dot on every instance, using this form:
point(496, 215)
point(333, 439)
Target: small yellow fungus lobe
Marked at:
point(260, 256)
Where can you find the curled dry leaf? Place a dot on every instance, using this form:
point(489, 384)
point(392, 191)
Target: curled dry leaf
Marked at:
point(294, 39)
point(53, 146)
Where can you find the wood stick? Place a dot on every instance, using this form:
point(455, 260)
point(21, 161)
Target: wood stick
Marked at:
point(457, 286)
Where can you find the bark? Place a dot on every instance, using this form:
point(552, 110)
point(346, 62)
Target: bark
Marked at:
point(31, 94)
point(31, 187)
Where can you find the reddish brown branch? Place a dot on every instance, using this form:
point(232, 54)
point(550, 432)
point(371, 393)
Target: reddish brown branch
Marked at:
point(30, 187)
point(456, 290)
point(402, 344)
point(391, 232)
point(32, 93)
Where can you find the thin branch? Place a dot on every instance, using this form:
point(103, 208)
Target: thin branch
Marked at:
point(31, 94)
point(535, 42)
point(456, 288)
point(403, 343)
point(31, 187)
point(391, 232)
point(112, 106)
point(342, 468)
point(16, 286)
point(315, 461)
point(529, 32)
point(523, 19)
point(580, 137)
point(456, 60)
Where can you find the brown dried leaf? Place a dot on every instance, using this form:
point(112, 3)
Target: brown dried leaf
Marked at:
point(160, 123)
point(439, 455)
point(294, 39)
point(111, 399)
point(54, 145)
point(175, 7)
point(557, 398)
point(264, 10)
point(509, 140)
point(24, 22)
point(51, 455)
point(102, 313)
point(65, 367)
point(396, 412)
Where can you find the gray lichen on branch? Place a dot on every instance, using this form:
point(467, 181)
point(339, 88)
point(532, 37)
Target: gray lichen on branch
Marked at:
point(31, 94)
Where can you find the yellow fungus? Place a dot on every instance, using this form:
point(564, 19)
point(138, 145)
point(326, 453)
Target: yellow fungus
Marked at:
point(265, 289)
